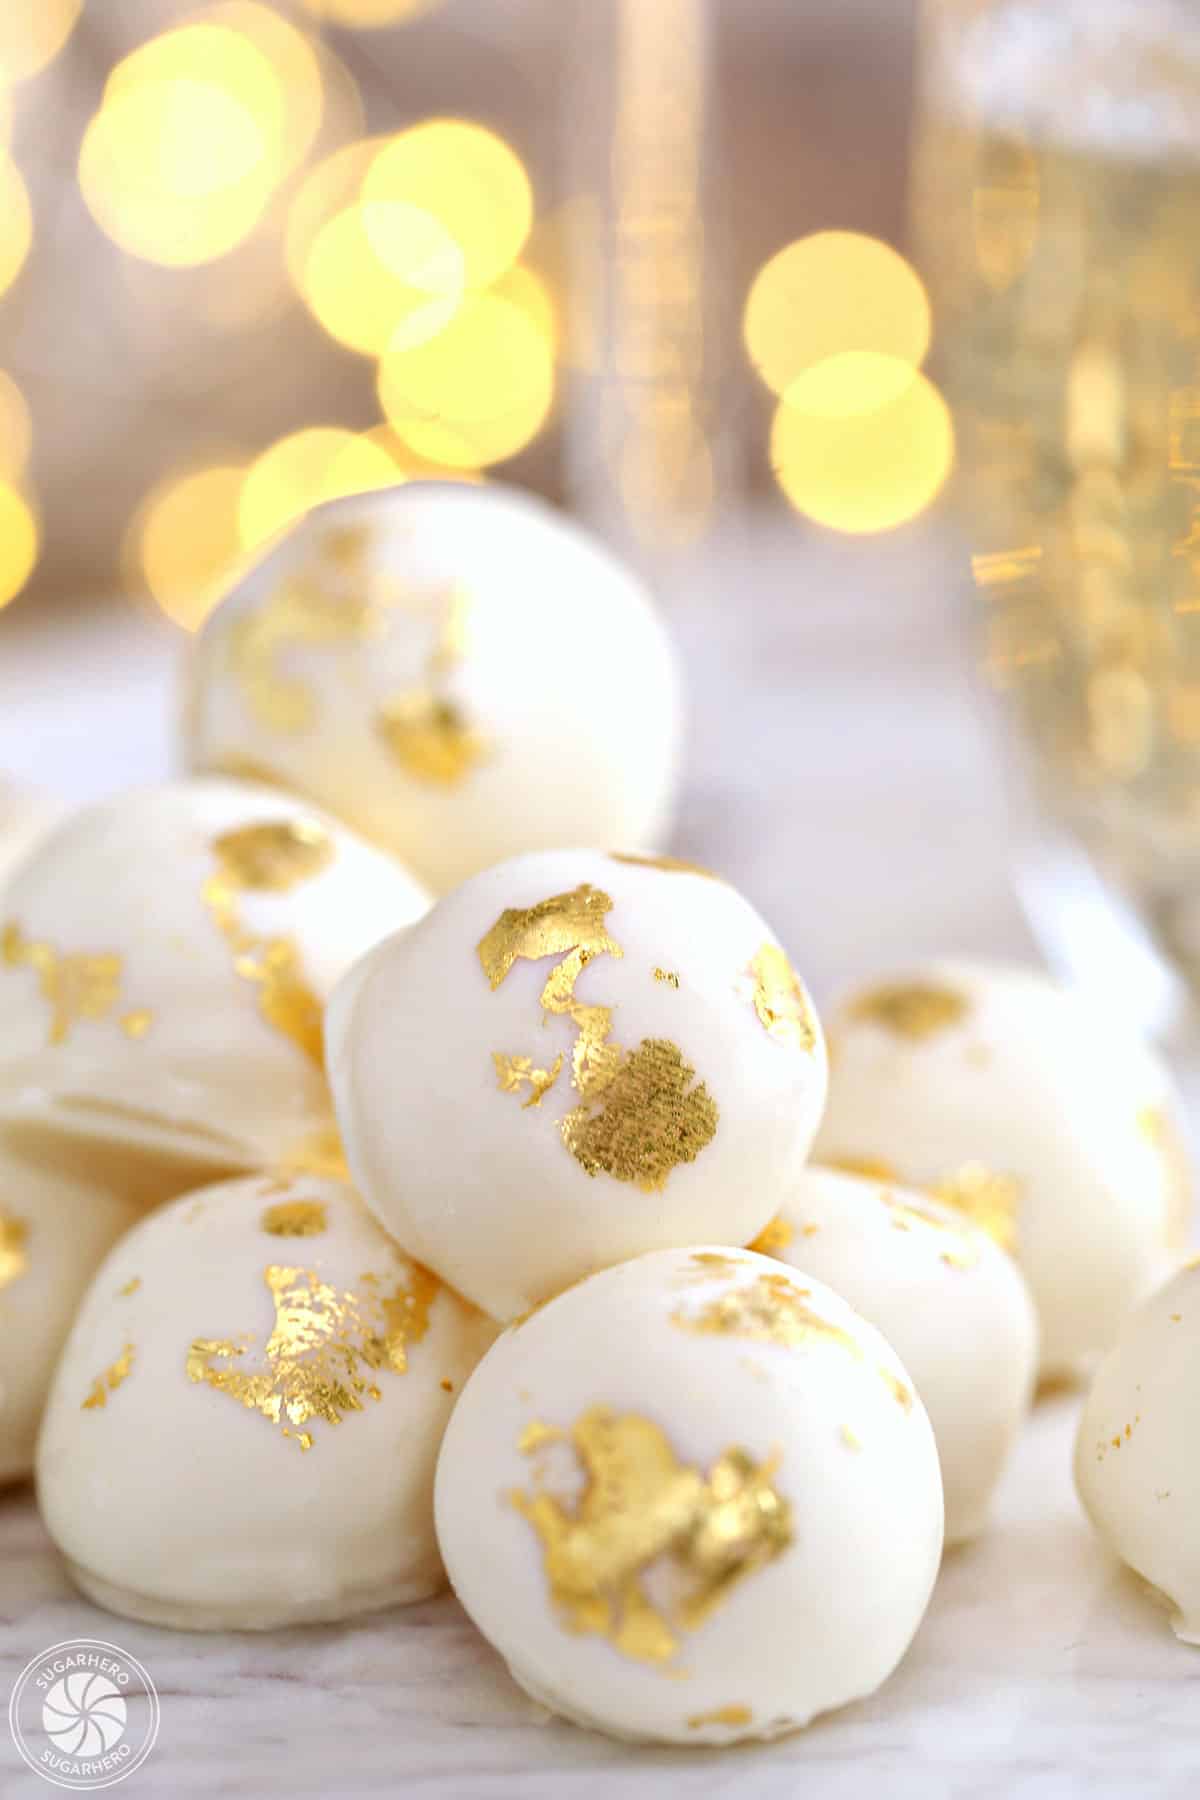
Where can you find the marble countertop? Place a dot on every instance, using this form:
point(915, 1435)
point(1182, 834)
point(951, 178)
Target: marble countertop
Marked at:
point(840, 770)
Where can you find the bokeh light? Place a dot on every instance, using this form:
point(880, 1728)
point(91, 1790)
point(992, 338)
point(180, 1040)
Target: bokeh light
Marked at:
point(368, 15)
point(18, 542)
point(462, 176)
point(831, 292)
point(188, 145)
point(322, 462)
point(16, 429)
point(362, 302)
point(16, 223)
point(861, 442)
point(298, 72)
point(186, 541)
point(32, 32)
point(477, 392)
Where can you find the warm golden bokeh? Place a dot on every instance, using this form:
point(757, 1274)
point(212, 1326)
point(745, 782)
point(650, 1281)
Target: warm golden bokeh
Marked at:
point(296, 65)
point(831, 292)
point(16, 429)
point(32, 32)
point(362, 302)
point(477, 392)
point(18, 542)
point(462, 176)
point(368, 15)
point(861, 442)
point(186, 542)
point(16, 223)
point(322, 462)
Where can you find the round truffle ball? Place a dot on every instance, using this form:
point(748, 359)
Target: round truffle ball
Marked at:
point(270, 1349)
point(1033, 1110)
point(574, 1058)
point(458, 672)
point(694, 1499)
point(164, 959)
point(24, 817)
point(952, 1304)
point(56, 1223)
point(1137, 1457)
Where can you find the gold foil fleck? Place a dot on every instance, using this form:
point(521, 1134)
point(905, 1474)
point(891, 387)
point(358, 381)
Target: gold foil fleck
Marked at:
point(669, 864)
point(275, 858)
point(75, 986)
point(136, 1024)
point(130, 1287)
point(897, 1388)
point(770, 1309)
point(323, 1349)
point(779, 1000)
point(424, 728)
point(952, 1244)
point(639, 1115)
point(294, 1218)
point(911, 1009)
point(775, 1236)
point(721, 1715)
point(14, 1248)
point(851, 1438)
point(990, 1200)
point(641, 1510)
point(535, 1434)
point(668, 976)
point(446, 1385)
point(871, 1168)
point(299, 615)
point(109, 1381)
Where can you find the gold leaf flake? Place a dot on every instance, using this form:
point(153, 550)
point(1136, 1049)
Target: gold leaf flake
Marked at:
point(670, 865)
point(323, 1351)
point(275, 857)
point(779, 1000)
point(425, 728)
point(294, 1218)
point(989, 1199)
point(299, 615)
point(512, 1071)
point(952, 1244)
point(640, 1507)
point(775, 1236)
point(14, 1248)
point(911, 1009)
point(667, 976)
point(75, 986)
point(136, 1024)
point(109, 1381)
point(770, 1309)
point(130, 1287)
point(721, 1715)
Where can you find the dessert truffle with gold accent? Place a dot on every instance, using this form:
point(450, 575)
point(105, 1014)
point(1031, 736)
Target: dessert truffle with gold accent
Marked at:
point(574, 1058)
point(164, 959)
point(1039, 1113)
point(57, 1220)
point(693, 1499)
point(1137, 1466)
point(458, 672)
point(266, 1341)
point(952, 1304)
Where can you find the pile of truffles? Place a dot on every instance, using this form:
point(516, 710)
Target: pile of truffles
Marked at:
point(352, 1237)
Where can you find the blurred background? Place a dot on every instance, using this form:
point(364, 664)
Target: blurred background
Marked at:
point(256, 253)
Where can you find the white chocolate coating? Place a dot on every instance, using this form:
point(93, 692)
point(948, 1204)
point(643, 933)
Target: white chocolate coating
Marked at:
point(693, 1499)
point(56, 1224)
point(574, 1058)
point(24, 817)
point(951, 1303)
point(164, 957)
point(952, 1074)
point(223, 1335)
point(1137, 1463)
point(460, 673)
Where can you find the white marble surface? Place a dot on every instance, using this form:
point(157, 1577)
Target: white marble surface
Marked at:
point(841, 772)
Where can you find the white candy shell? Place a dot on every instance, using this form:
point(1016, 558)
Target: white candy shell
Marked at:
point(460, 673)
point(243, 1428)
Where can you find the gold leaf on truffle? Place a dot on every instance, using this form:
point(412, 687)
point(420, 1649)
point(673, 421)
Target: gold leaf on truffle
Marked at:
point(644, 1120)
point(424, 727)
point(299, 615)
point(780, 1001)
point(642, 1510)
point(324, 1349)
point(294, 1218)
point(513, 1071)
point(775, 1236)
point(14, 1248)
point(108, 1382)
point(989, 1199)
point(915, 1010)
point(670, 865)
point(75, 986)
point(953, 1244)
point(770, 1309)
point(721, 1715)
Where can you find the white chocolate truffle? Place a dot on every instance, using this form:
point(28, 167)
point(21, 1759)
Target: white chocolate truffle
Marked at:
point(574, 1058)
point(458, 672)
point(24, 817)
point(1137, 1460)
point(693, 1499)
point(952, 1304)
point(164, 958)
point(1032, 1109)
point(56, 1224)
point(243, 1428)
